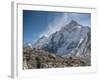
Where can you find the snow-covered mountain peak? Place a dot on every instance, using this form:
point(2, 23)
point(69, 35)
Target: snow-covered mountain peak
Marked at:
point(70, 40)
point(73, 23)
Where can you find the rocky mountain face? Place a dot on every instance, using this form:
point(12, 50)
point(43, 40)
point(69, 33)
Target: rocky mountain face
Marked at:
point(40, 43)
point(72, 40)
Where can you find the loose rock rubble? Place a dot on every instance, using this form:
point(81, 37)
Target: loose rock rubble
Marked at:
point(37, 58)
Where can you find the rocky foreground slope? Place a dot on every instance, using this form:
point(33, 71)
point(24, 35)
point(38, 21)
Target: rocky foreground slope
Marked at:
point(36, 58)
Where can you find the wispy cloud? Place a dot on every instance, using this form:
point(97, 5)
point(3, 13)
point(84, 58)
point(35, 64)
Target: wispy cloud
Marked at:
point(55, 25)
point(82, 18)
point(63, 19)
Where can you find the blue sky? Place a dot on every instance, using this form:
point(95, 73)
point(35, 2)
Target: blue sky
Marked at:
point(44, 23)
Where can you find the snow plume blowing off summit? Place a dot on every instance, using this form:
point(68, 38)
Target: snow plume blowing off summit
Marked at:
point(62, 20)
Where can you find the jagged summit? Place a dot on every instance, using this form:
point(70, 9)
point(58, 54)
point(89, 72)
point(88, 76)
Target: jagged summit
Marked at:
point(70, 25)
point(73, 23)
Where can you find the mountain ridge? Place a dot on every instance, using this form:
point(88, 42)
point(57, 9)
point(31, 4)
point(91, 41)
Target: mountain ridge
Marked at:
point(70, 40)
